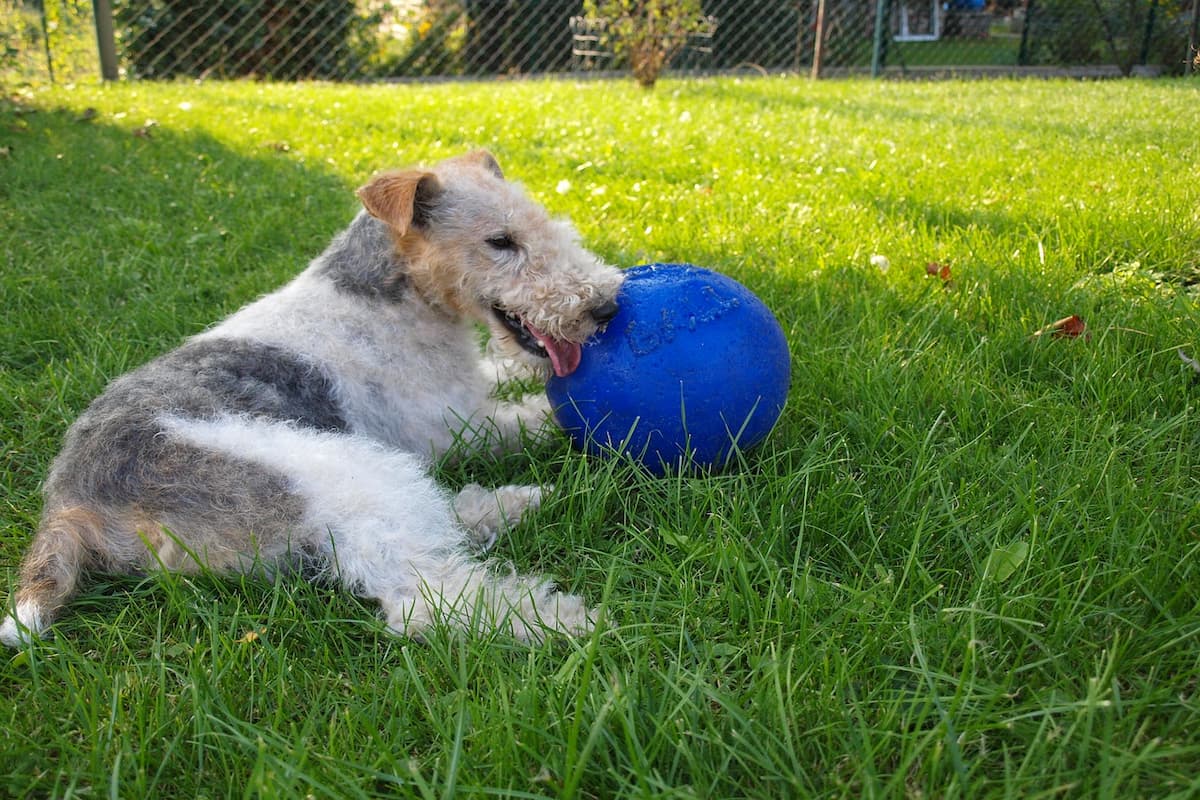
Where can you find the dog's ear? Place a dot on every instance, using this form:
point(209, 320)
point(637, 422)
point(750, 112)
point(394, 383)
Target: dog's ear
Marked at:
point(486, 160)
point(403, 199)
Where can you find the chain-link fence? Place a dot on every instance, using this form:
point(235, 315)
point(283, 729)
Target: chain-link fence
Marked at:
point(47, 41)
point(398, 39)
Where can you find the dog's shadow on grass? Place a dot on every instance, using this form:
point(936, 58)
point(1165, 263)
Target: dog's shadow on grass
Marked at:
point(140, 235)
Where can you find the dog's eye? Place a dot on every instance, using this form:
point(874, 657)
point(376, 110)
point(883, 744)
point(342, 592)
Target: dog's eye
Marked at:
point(502, 241)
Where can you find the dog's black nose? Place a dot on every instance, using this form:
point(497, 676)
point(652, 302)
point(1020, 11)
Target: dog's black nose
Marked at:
point(605, 311)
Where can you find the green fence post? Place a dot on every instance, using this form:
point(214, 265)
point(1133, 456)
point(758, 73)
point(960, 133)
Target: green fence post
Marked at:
point(105, 39)
point(1023, 53)
point(1192, 53)
point(877, 51)
point(41, 7)
point(1149, 32)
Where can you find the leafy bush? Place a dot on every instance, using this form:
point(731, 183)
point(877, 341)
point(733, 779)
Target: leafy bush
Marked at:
point(476, 37)
point(235, 38)
point(1121, 32)
point(424, 38)
point(647, 33)
point(12, 25)
point(53, 40)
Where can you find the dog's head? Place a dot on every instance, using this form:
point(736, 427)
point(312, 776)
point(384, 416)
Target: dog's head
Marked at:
point(477, 247)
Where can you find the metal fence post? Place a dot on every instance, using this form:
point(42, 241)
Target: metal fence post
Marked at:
point(818, 40)
point(1023, 52)
point(1192, 54)
point(106, 39)
point(877, 50)
point(1144, 54)
point(41, 7)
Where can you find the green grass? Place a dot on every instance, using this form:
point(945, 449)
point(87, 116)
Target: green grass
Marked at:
point(996, 50)
point(964, 564)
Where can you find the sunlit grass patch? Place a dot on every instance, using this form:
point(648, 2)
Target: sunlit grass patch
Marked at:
point(964, 564)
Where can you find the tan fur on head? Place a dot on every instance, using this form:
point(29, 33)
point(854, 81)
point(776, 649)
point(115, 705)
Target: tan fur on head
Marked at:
point(483, 159)
point(476, 246)
point(400, 197)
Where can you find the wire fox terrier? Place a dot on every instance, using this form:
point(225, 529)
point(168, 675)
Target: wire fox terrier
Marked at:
point(298, 429)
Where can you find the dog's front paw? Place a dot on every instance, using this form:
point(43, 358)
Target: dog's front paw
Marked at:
point(486, 513)
point(547, 611)
point(572, 616)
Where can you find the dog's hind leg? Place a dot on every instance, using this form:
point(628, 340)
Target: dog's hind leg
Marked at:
point(389, 532)
point(409, 547)
point(413, 554)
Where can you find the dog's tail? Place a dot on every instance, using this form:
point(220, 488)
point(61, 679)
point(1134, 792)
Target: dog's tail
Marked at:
point(50, 571)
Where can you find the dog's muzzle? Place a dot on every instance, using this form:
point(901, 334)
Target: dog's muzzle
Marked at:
point(564, 356)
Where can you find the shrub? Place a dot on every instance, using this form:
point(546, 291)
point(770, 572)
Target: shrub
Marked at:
point(44, 41)
point(647, 33)
point(1120, 32)
point(234, 38)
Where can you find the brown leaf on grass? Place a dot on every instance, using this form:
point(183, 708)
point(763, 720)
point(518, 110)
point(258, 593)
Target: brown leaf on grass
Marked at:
point(1071, 327)
point(144, 131)
point(940, 270)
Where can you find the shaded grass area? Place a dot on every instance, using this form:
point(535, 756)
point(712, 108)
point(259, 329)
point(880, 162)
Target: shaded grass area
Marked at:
point(995, 50)
point(964, 565)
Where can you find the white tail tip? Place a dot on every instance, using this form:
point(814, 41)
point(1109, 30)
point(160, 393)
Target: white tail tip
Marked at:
point(21, 625)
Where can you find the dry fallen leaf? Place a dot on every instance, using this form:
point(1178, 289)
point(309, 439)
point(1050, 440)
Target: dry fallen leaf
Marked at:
point(144, 131)
point(940, 270)
point(251, 636)
point(1071, 327)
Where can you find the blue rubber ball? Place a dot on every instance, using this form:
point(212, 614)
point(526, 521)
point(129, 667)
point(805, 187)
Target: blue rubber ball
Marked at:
point(693, 367)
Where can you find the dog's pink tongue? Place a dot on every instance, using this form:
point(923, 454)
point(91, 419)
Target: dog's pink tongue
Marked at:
point(564, 356)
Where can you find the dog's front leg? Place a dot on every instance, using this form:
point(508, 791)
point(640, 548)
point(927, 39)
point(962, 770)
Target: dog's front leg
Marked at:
point(529, 416)
point(486, 513)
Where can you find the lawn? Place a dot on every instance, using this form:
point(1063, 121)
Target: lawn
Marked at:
point(996, 50)
point(965, 564)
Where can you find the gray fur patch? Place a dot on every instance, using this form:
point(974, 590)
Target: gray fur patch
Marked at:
point(116, 452)
point(362, 261)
